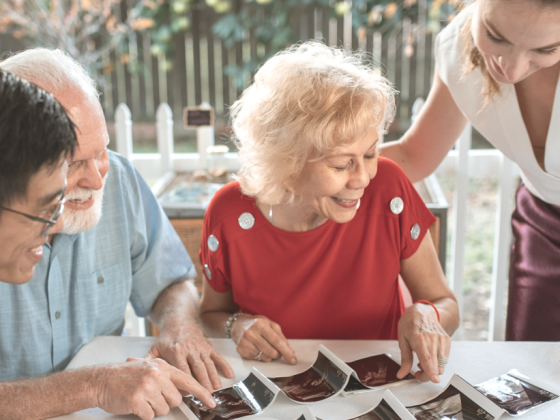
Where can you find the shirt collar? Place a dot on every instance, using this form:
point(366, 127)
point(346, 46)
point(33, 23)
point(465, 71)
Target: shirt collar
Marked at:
point(61, 242)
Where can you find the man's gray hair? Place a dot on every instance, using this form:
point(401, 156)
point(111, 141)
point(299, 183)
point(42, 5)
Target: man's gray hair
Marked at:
point(53, 70)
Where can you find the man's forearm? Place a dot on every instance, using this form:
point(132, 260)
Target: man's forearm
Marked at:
point(48, 396)
point(176, 307)
point(181, 341)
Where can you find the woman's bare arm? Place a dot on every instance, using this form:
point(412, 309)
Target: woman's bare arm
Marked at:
point(419, 328)
point(424, 146)
point(256, 335)
point(215, 309)
point(423, 275)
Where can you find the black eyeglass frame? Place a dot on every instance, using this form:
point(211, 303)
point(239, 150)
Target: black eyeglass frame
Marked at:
point(49, 223)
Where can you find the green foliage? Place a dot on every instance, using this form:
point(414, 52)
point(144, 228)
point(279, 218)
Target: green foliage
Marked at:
point(270, 23)
point(87, 29)
point(169, 17)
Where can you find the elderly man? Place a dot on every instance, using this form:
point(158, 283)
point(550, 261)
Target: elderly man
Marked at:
point(87, 275)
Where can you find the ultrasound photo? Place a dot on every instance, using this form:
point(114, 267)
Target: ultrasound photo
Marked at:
point(382, 412)
point(245, 398)
point(322, 380)
point(513, 394)
point(451, 404)
point(374, 371)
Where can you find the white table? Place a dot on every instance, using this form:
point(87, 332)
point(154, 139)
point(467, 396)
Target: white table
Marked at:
point(474, 361)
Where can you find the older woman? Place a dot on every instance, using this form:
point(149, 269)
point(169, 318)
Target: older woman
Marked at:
point(311, 239)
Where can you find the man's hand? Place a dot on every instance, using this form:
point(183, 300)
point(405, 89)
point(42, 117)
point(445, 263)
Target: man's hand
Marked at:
point(146, 388)
point(181, 342)
point(188, 350)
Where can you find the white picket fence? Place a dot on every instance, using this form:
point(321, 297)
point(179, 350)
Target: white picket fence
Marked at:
point(466, 163)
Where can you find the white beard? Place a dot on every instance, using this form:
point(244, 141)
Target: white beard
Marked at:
point(77, 221)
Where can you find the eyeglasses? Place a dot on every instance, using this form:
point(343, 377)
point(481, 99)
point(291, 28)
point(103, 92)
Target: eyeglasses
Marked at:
point(49, 223)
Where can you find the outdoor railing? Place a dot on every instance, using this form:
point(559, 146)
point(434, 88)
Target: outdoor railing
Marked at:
point(466, 163)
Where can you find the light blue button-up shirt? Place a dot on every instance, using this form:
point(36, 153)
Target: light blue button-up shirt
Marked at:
point(82, 285)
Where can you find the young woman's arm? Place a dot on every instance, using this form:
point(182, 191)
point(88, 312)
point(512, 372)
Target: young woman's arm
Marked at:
point(424, 146)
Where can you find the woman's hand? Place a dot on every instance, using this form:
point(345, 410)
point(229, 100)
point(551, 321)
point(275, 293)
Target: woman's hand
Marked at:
point(420, 331)
point(257, 337)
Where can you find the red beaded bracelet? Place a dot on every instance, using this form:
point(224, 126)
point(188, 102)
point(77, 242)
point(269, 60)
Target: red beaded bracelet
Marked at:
point(432, 305)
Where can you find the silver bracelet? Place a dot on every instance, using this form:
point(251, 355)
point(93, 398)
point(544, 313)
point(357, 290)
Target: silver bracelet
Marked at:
point(230, 321)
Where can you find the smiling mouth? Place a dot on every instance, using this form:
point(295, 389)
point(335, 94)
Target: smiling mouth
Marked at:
point(347, 204)
point(78, 201)
point(35, 250)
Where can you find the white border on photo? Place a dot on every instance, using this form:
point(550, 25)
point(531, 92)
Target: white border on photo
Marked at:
point(267, 382)
point(329, 355)
point(337, 361)
point(307, 413)
point(396, 405)
point(463, 386)
point(536, 382)
point(270, 385)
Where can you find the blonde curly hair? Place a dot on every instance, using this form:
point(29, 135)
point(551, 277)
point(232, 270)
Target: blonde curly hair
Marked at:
point(306, 102)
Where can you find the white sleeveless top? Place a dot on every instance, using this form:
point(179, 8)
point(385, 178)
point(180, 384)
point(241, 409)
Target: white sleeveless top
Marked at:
point(500, 121)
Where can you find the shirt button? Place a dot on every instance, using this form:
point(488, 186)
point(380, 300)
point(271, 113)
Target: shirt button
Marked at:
point(213, 243)
point(415, 231)
point(246, 221)
point(100, 280)
point(57, 315)
point(207, 271)
point(396, 205)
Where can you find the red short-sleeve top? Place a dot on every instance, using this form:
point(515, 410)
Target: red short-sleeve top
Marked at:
point(338, 281)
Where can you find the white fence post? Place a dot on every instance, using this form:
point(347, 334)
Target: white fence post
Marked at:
point(123, 123)
point(164, 128)
point(502, 244)
point(347, 27)
point(204, 139)
point(460, 220)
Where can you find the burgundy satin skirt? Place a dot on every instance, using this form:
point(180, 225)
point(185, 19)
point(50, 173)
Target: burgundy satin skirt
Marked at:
point(534, 276)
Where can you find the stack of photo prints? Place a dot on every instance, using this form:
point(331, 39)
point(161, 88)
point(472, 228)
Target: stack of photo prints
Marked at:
point(329, 376)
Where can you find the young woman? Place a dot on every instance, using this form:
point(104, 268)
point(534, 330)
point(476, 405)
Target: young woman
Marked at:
point(497, 67)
